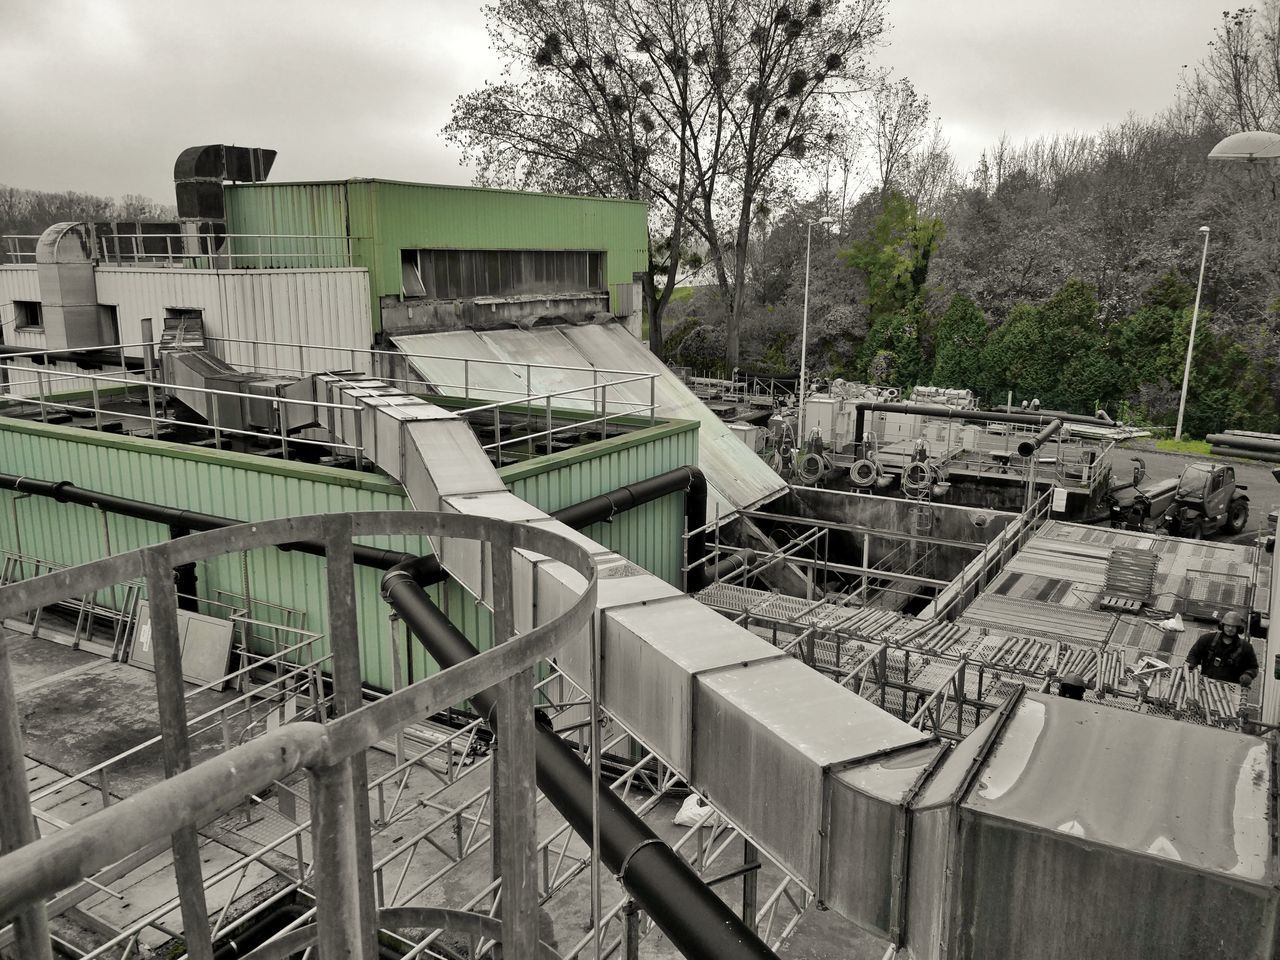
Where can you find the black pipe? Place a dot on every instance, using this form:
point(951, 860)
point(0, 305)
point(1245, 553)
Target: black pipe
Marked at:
point(64, 491)
point(1027, 447)
point(940, 411)
point(1238, 442)
point(86, 359)
point(690, 913)
point(689, 479)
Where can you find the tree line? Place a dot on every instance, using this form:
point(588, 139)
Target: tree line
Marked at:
point(1061, 269)
point(30, 212)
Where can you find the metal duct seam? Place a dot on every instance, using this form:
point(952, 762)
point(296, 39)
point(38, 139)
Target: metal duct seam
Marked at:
point(692, 916)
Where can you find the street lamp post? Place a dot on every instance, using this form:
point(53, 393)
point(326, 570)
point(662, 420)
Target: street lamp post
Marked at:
point(804, 329)
point(1191, 340)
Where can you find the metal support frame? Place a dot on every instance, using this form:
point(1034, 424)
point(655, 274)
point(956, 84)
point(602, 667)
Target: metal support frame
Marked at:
point(332, 753)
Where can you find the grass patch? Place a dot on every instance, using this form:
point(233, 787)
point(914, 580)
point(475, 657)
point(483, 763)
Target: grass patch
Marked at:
point(1197, 447)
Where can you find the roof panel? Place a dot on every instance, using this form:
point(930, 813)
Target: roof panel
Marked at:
point(736, 476)
point(1198, 795)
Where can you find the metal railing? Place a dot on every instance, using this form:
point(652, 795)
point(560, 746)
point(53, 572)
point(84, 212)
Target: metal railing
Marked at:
point(46, 382)
point(332, 752)
point(566, 411)
point(19, 248)
point(224, 251)
point(982, 569)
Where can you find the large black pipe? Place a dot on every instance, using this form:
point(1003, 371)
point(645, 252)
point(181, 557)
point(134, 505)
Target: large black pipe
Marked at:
point(942, 412)
point(1239, 442)
point(64, 491)
point(1027, 447)
point(693, 917)
point(691, 480)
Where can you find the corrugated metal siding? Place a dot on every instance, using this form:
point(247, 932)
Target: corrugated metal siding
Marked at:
point(253, 488)
point(386, 217)
point(16, 283)
point(649, 535)
point(329, 307)
point(290, 209)
point(225, 484)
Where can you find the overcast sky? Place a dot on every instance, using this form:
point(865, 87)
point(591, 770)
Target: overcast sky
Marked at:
point(101, 95)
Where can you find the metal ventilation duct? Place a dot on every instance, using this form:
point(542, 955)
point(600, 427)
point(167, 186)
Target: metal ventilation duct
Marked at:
point(200, 172)
point(68, 288)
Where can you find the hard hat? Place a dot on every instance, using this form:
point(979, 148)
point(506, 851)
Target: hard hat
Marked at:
point(1233, 618)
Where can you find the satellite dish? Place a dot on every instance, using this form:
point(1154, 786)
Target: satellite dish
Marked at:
point(1250, 145)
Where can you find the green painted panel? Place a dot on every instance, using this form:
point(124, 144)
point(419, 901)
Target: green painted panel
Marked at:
point(649, 535)
point(257, 488)
point(383, 217)
point(297, 210)
point(230, 485)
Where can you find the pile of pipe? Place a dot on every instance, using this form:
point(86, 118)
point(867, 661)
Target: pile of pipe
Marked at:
point(1246, 445)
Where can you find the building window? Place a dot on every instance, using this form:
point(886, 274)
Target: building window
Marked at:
point(27, 314)
point(183, 313)
point(467, 274)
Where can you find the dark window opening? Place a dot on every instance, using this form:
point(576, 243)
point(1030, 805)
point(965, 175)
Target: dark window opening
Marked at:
point(467, 274)
point(183, 313)
point(27, 314)
point(109, 320)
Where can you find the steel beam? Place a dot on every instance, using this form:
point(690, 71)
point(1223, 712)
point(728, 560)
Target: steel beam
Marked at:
point(345, 898)
point(171, 703)
point(515, 826)
point(17, 826)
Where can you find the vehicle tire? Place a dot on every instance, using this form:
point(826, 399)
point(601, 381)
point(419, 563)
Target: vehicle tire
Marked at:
point(1238, 519)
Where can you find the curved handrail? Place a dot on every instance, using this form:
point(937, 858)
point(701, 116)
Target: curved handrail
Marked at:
point(41, 868)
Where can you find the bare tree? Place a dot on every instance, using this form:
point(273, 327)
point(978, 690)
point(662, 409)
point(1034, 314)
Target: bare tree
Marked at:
point(698, 106)
point(1236, 86)
point(897, 118)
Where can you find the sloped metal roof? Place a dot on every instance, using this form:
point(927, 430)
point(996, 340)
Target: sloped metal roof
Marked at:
point(736, 477)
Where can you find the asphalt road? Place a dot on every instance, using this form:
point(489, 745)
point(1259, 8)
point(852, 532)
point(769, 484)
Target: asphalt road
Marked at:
point(1262, 488)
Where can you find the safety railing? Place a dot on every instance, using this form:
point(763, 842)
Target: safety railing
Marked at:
point(18, 248)
point(16, 395)
point(523, 420)
point(331, 751)
point(982, 569)
point(222, 251)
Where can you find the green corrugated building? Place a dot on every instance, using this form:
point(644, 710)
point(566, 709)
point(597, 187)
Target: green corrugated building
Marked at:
point(524, 254)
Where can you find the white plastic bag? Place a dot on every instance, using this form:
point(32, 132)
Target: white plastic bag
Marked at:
point(691, 811)
point(1174, 624)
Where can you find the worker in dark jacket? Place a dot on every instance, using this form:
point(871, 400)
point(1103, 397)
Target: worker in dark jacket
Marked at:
point(1224, 654)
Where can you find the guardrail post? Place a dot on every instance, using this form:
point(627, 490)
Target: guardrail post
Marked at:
point(17, 827)
point(172, 708)
point(346, 908)
point(515, 835)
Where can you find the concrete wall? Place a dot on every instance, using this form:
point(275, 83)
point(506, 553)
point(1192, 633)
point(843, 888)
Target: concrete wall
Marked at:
point(963, 524)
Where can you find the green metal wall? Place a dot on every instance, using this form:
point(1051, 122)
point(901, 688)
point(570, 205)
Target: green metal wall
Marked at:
point(255, 488)
point(648, 535)
point(388, 216)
